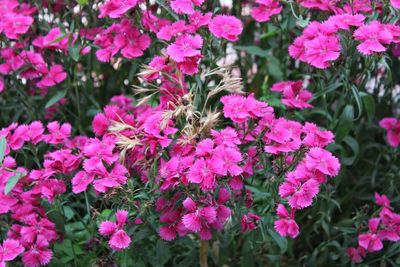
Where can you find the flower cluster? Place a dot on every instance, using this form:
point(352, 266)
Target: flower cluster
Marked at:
point(319, 44)
point(385, 227)
point(22, 190)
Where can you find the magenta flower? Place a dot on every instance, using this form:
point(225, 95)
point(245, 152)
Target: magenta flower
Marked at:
point(9, 250)
point(373, 37)
point(228, 27)
point(286, 225)
point(199, 219)
point(265, 9)
point(14, 24)
point(322, 50)
point(38, 254)
point(345, 21)
point(355, 254)
point(370, 241)
point(203, 172)
point(299, 192)
point(323, 161)
point(185, 46)
point(395, 3)
point(116, 8)
point(294, 95)
point(227, 137)
point(54, 76)
point(132, 43)
point(239, 108)
point(119, 238)
point(315, 137)
point(249, 222)
point(225, 161)
point(185, 6)
point(392, 125)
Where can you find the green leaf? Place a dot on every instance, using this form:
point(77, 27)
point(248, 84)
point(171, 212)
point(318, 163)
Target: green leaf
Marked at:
point(74, 52)
point(11, 182)
point(253, 50)
point(163, 252)
point(274, 68)
point(357, 97)
point(281, 241)
point(353, 144)
point(82, 2)
point(345, 123)
point(57, 97)
point(3, 145)
point(370, 106)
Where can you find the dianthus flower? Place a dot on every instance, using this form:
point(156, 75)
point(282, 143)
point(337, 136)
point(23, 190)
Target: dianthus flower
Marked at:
point(185, 6)
point(294, 95)
point(373, 37)
point(265, 9)
point(116, 8)
point(119, 239)
point(228, 27)
point(392, 126)
point(286, 225)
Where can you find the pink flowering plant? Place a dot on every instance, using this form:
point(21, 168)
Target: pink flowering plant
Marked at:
point(199, 133)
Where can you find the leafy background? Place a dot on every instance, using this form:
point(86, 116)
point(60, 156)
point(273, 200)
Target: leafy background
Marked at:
point(345, 101)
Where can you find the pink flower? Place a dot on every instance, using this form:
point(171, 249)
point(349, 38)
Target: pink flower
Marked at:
point(239, 108)
point(382, 200)
point(38, 254)
point(80, 181)
point(116, 8)
point(197, 220)
point(185, 46)
point(286, 225)
point(119, 239)
point(100, 124)
point(132, 43)
point(227, 137)
point(322, 50)
point(395, 3)
point(392, 125)
point(228, 27)
point(344, 21)
point(316, 137)
point(185, 6)
point(265, 9)
point(1, 84)
point(203, 172)
point(373, 37)
point(323, 161)
point(370, 241)
point(55, 76)
point(225, 161)
point(300, 193)
point(49, 41)
point(10, 250)
point(249, 222)
point(57, 133)
point(38, 229)
point(14, 24)
point(294, 95)
point(355, 254)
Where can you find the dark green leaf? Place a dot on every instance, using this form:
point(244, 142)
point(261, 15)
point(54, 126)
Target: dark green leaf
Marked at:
point(57, 97)
point(281, 241)
point(253, 50)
